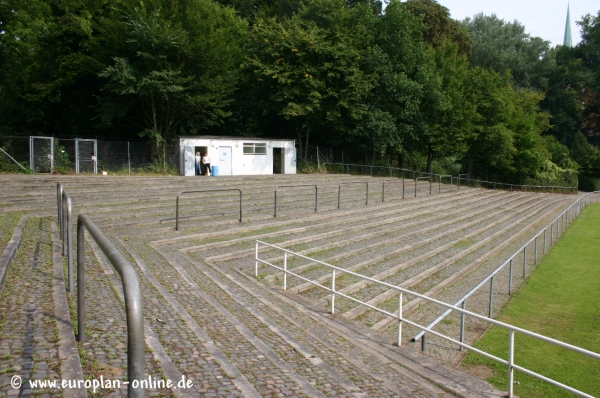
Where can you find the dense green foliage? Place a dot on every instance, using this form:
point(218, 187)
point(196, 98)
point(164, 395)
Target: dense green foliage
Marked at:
point(405, 84)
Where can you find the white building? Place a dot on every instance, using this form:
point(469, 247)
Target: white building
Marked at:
point(239, 155)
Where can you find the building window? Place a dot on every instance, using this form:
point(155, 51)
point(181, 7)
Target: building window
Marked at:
point(258, 148)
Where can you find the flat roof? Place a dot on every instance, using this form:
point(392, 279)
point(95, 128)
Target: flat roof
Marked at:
point(216, 137)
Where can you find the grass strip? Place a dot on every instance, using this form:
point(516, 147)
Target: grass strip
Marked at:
point(560, 300)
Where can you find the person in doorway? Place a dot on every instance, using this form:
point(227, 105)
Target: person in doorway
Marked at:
point(206, 164)
point(198, 164)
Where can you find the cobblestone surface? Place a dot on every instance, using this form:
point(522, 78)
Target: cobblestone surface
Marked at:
point(28, 347)
point(234, 335)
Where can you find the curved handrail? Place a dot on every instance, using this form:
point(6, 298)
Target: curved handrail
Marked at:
point(205, 190)
point(353, 182)
point(131, 293)
point(294, 186)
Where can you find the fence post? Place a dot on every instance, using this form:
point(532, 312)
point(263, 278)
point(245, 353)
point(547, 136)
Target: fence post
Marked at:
point(511, 362)
point(399, 319)
point(256, 261)
point(510, 273)
point(333, 292)
point(535, 251)
point(284, 271)
point(524, 261)
point(462, 324)
point(491, 296)
point(403, 188)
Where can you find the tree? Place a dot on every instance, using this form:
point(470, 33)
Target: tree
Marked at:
point(440, 27)
point(307, 69)
point(506, 48)
point(178, 72)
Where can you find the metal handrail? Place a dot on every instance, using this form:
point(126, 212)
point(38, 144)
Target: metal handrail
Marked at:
point(131, 293)
point(202, 191)
point(512, 186)
point(422, 178)
point(352, 182)
point(294, 186)
point(512, 329)
point(383, 189)
point(566, 218)
point(440, 176)
point(65, 226)
point(551, 187)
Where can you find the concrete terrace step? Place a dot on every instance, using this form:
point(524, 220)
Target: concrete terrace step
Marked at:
point(230, 333)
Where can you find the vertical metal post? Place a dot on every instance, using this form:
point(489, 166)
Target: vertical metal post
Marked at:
point(70, 243)
point(275, 211)
point(63, 224)
point(423, 342)
point(80, 282)
point(383, 192)
point(462, 324)
point(511, 362)
point(535, 251)
point(339, 194)
point(415, 187)
point(510, 273)
point(367, 202)
point(177, 213)
point(128, 158)
point(524, 261)
point(430, 185)
point(333, 292)
point(59, 191)
point(399, 319)
point(256, 260)
point(552, 234)
point(491, 296)
point(402, 188)
point(284, 271)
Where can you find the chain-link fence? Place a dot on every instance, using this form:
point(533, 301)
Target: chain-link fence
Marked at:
point(59, 155)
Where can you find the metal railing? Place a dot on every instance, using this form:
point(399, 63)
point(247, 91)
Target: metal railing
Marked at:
point(510, 361)
point(129, 279)
point(353, 182)
point(560, 223)
point(532, 188)
point(383, 188)
point(203, 191)
point(422, 178)
point(131, 293)
point(469, 181)
point(294, 186)
point(65, 226)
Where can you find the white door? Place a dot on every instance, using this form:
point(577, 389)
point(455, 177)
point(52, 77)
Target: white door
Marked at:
point(224, 160)
point(290, 161)
point(189, 162)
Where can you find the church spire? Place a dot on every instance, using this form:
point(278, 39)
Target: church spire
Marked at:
point(568, 40)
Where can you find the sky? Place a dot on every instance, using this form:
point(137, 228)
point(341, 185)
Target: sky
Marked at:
point(543, 18)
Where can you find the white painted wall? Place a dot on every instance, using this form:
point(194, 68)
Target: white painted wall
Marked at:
point(243, 164)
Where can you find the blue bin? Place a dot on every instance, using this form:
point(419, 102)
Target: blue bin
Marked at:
point(215, 170)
